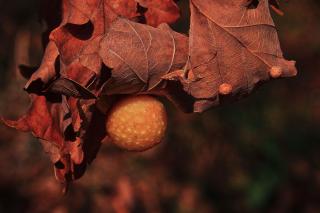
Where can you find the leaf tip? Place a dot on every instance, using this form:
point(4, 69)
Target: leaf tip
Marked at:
point(20, 124)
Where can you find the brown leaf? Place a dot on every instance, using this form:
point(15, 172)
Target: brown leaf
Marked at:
point(150, 53)
point(234, 45)
point(69, 87)
point(51, 121)
point(70, 64)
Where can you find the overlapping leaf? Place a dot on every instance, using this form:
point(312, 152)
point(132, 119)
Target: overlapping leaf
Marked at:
point(233, 46)
point(150, 53)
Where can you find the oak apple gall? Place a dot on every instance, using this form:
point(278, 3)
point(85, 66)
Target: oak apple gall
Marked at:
point(137, 123)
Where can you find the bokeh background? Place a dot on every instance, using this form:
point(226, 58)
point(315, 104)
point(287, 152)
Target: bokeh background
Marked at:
point(261, 154)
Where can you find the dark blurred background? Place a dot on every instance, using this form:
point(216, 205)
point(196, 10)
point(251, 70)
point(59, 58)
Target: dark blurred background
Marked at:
point(261, 154)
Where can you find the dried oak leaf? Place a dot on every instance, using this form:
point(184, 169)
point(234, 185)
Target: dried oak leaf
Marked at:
point(64, 122)
point(149, 54)
point(233, 46)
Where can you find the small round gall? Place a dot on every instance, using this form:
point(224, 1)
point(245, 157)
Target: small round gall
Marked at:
point(275, 72)
point(225, 89)
point(137, 123)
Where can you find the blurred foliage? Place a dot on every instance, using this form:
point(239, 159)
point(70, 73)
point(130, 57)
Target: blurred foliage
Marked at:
point(260, 154)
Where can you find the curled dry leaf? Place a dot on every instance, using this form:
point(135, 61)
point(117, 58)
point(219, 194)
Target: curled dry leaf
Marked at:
point(238, 46)
point(150, 53)
point(99, 51)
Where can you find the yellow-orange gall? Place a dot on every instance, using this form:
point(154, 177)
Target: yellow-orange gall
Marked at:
point(137, 123)
point(225, 89)
point(275, 71)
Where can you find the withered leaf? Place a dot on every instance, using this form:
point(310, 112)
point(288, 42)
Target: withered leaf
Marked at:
point(48, 121)
point(232, 47)
point(149, 54)
point(69, 87)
